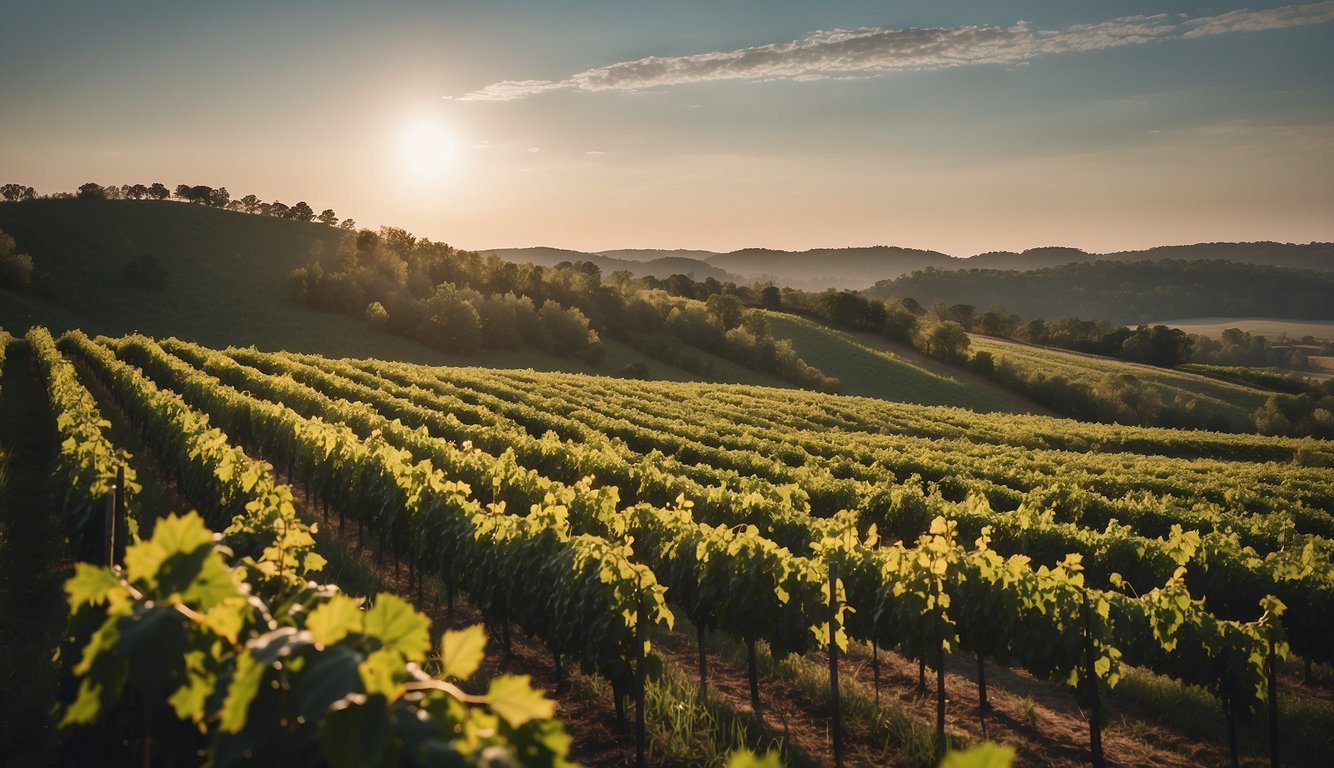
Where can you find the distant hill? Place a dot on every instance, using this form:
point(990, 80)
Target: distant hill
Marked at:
point(862, 267)
point(1130, 292)
point(661, 266)
point(816, 269)
point(1316, 256)
point(822, 268)
point(652, 254)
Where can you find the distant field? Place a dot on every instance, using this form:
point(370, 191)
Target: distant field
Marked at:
point(872, 372)
point(1234, 402)
point(1270, 328)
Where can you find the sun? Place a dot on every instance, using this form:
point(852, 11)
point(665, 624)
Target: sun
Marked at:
point(428, 150)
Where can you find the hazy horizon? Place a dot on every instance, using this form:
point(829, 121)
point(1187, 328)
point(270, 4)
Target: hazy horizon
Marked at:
point(961, 127)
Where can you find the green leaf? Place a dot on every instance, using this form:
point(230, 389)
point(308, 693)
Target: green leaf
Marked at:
point(377, 673)
point(462, 651)
point(399, 627)
point(515, 701)
point(245, 685)
point(189, 700)
point(173, 535)
point(333, 620)
point(89, 584)
point(86, 707)
point(985, 755)
point(227, 618)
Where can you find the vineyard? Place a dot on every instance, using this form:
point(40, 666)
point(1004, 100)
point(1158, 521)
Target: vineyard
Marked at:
point(613, 522)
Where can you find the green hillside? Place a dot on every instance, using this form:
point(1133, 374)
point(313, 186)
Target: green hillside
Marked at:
point(226, 282)
point(874, 371)
point(1234, 402)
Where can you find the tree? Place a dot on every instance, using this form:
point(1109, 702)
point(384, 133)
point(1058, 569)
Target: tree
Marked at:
point(771, 297)
point(327, 216)
point(15, 268)
point(217, 198)
point(1159, 345)
point(726, 309)
point(302, 211)
point(680, 285)
point(91, 191)
point(348, 224)
point(136, 192)
point(846, 309)
point(998, 321)
point(900, 321)
point(250, 204)
point(451, 323)
point(279, 210)
point(959, 313)
point(943, 339)
point(564, 331)
point(17, 192)
point(158, 191)
point(377, 315)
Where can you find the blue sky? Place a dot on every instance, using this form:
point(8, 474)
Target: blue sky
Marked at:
point(959, 126)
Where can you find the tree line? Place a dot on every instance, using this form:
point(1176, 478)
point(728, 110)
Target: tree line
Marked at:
point(460, 301)
point(213, 197)
point(1129, 292)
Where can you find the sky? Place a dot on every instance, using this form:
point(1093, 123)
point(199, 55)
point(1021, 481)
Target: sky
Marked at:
point(962, 127)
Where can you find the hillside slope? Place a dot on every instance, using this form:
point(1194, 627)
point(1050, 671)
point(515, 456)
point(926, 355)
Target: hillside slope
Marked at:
point(226, 284)
point(1234, 402)
point(868, 367)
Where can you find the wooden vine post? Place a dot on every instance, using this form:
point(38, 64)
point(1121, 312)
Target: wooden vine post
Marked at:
point(116, 528)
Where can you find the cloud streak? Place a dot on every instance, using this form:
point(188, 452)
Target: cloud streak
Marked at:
point(872, 51)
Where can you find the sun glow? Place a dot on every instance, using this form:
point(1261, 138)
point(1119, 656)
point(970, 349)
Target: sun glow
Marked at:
point(428, 150)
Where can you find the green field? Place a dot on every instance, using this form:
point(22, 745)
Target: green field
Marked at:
point(871, 372)
point(1233, 402)
point(1270, 328)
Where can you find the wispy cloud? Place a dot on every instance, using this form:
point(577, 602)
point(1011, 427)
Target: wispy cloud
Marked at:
point(873, 51)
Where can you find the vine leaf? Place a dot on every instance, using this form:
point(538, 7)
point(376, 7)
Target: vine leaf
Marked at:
point(515, 701)
point(399, 627)
point(333, 620)
point(462, 651)
point(245, 685)
point(89, 584)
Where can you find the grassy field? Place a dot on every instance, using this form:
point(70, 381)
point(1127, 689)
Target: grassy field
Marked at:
point(226, 283)
point(1270, 328)
point(871, 372)
point(1234, 401)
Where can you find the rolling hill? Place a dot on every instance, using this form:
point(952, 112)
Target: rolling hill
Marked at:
point(659, 266)
point(858, 268)
point(226, 284)
point(227, 275)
